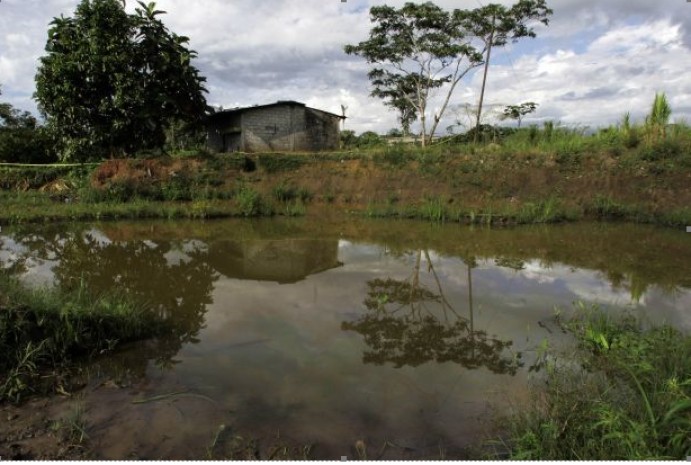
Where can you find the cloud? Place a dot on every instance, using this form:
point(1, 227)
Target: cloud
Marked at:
point(619, 71)
point(595, 61)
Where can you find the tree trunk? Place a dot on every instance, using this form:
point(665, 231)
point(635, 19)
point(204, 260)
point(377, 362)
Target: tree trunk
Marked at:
point(484, 81)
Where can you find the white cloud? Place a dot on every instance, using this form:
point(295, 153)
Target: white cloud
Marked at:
point(620, 71)
point(595, 61)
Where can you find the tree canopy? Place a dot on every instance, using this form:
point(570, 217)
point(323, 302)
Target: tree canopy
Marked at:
point(517, 112)
point(22, 140)
point(112, 83)
point(421, 48)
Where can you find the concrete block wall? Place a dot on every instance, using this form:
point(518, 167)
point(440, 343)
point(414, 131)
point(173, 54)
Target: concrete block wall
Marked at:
point(277, 128)
point(284, 127)
point(323, 130)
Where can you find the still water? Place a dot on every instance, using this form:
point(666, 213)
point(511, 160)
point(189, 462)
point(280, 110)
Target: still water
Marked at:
point(412, 338)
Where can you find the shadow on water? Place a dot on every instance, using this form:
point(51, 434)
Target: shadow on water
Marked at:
point(409, 324)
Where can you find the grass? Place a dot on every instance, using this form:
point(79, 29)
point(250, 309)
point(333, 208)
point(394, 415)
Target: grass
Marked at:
point(624, 394)
point(547, 174)
point(251, 203)
point(42, 331)
point(438, 210)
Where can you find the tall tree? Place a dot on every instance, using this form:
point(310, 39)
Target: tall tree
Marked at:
point(112, 83)
point(420, 48)
point(517, 112)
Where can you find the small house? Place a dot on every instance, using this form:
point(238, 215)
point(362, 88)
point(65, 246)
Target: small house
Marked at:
point(284, 126)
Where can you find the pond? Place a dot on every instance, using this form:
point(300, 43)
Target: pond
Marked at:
point(410, 337)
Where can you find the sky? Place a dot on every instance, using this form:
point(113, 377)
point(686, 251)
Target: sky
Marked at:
point(594, 62)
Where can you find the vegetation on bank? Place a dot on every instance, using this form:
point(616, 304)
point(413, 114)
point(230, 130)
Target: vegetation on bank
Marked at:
point(43, 331)
point(529, 176)
point(624, 394)
point(631, 172)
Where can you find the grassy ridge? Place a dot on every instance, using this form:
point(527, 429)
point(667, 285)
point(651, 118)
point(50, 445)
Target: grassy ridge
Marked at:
point(528, 176)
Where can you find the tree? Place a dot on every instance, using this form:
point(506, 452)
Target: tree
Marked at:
point(420, 48)
point(112, 83)
point(517, 112)
point(348, 139)
point(21, 138)
point(369, 139)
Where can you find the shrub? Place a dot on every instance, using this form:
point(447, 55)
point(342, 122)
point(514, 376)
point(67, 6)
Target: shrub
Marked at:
point(250, 202)
point(623, 394)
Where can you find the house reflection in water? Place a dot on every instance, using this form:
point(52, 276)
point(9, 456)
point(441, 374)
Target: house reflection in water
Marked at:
point(282, 261)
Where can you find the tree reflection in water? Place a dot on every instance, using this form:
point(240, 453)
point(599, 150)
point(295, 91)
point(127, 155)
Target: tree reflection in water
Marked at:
point(175, 281)
point(171, 278)
point(408, 324)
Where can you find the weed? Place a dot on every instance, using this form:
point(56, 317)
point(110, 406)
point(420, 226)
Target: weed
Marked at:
point(295, 208)
point(43, 330)
point(74, 425)
point(284, 192)
point(606, 207)
point(250, 202)
point(433, 209)
point(277, 162)
point(396, 157)
point(627, 396)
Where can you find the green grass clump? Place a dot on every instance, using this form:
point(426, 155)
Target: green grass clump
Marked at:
point(544, 211)
point(285, 192)
point(277, 162)
point(251, 203)
point(626, 396)
point(43, 331)
point(433, 208)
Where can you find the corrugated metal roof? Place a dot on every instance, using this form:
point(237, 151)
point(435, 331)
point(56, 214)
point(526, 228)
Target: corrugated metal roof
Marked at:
point(278, 103)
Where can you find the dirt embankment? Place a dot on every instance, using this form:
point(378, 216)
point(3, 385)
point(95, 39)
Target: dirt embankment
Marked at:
point(485, 180)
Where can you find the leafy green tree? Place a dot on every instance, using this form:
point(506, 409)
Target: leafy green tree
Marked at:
point(22, 140)
point(348, 139)
point(369, 139)
point(112, 83)
point(422, 48)
point(517, 112)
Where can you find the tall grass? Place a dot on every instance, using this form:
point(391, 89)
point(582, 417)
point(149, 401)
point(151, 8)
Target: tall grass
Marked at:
point(625, 394)
point(251, 203)
point(42, 331)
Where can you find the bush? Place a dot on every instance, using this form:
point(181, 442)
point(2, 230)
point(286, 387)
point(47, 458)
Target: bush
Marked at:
point(26, 145)
point(277, 162)
point(624, 394)
point(250, 202)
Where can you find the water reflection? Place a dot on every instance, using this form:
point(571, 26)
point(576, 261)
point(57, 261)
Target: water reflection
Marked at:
point(283, 261)
point(271, 320)
point(173, 279)
point(409, 324)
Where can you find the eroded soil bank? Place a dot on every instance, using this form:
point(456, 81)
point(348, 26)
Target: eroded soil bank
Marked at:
point(401, 184)
point(488, 186)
